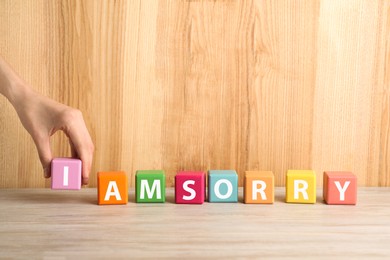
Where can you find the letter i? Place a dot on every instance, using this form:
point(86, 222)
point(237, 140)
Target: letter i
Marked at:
point(66, 176)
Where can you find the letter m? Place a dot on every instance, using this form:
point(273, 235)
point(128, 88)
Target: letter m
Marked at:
point(156, 187)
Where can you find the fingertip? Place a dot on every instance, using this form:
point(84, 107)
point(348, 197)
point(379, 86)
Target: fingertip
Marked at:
point(85, 180)
point(86, 158)
point(85, 172)
point(46, 172)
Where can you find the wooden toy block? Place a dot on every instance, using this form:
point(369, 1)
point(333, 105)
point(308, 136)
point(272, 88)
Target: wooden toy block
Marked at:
point(65, 174)
point(150, 186)
point(259, 187)
point(190, 187)
point(223, 186)
point(112, 188)
point(340, 188)
point(301, 186)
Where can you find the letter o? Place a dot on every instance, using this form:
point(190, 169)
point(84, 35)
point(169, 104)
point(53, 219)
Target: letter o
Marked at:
point(229, 189)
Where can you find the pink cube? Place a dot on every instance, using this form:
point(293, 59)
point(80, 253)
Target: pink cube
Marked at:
point(340, 188)
point(65, 174)
point(190, 187)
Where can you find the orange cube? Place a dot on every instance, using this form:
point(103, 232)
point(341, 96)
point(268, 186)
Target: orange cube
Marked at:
point(112, 188)
point(259, 187)
point(340, 188)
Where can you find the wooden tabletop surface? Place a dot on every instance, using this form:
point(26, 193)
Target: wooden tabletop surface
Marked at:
point(42, 223)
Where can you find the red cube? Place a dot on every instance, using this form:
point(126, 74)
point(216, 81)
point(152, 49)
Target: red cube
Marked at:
point(190, 187)
point(340, 188)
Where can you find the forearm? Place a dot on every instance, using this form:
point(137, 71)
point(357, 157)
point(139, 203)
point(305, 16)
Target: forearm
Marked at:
point(11, 85)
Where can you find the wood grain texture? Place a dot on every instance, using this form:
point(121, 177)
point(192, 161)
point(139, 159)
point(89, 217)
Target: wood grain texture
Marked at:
point(198, 85)
point(68, 224)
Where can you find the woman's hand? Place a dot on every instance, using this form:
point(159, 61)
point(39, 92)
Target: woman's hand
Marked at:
point(42, 117)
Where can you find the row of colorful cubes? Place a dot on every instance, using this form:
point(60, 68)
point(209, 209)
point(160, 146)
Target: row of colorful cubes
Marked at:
point(222, 185)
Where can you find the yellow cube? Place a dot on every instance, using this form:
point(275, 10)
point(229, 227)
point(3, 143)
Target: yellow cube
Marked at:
point(301, 186)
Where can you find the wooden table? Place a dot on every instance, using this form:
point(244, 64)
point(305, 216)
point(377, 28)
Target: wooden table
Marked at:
point(42, 223)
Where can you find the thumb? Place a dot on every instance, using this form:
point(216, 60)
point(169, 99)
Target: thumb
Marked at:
point(44, 151)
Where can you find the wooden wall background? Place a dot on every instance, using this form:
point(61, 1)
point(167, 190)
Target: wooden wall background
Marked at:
point(203, 85)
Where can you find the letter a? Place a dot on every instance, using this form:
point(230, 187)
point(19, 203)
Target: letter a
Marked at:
point(112, 190)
